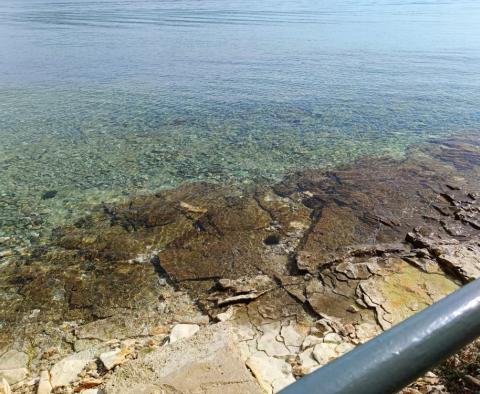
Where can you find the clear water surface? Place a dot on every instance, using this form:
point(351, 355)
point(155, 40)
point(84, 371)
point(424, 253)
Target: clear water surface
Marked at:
point(100, 99)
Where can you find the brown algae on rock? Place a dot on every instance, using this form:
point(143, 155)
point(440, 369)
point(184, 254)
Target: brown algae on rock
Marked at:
point(301, 271)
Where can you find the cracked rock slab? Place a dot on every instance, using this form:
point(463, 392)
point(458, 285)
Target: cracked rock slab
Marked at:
point(463, 259)
point(345, 227)
point(208, 363)
point(293, 334)
point(401, 290)
point(116, 327)
point(272, 373)
point(271, 342)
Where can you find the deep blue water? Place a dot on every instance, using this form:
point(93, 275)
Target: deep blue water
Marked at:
point(101, 99)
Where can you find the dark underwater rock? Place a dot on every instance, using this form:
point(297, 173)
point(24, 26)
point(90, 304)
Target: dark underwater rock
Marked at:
point(317, 244)
point(49, 194)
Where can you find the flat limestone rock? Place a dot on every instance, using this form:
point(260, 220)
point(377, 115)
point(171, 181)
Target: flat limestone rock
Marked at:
point(307, 362)
point(324, 300)
point(354, 271)
point(325, 352)
point(207, 363)
point(227, 315)
point(401, 290)
point(272, 373)
point(13, 359)
point(182, 331)
point(293, 335)
point(239, 298)
point(67, 369)
point(463, 259)
point(366, 331)
point(332, 244)
point(116, 327)
point(44, 385)
point(270, 342)
point(13, 366)
point(310, 341)
point(13, 376)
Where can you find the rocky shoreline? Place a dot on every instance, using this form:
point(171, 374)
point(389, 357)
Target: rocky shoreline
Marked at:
point(242, 290)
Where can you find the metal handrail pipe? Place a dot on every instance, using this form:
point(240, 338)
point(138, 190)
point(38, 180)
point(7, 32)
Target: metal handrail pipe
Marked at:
point(398, 356)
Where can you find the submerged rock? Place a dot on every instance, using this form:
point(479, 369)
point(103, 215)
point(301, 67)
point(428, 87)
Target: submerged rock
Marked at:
point(314, 264)
point(49, 194)
point(5, 253)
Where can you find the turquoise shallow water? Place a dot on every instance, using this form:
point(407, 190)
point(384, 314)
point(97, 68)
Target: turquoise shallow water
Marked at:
point(102, 99)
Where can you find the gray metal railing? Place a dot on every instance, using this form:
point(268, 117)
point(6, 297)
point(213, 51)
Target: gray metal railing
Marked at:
point(398, 356)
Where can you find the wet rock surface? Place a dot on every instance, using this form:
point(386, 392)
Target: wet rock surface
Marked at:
point(300, 273)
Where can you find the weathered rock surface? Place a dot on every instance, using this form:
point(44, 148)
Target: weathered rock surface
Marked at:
point(464, 259)
point(67, 369)
point(270, 342)
point(207, 363)
point(44, 385)
point(272, 373)
point(304, 270)
point(5, 387)
point(400, 290)
point(182, 331)
point(113, 358)
point(13, 366)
